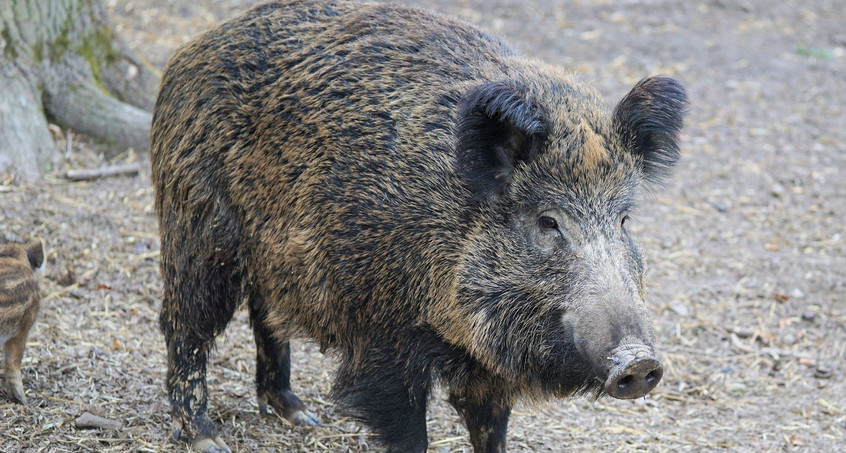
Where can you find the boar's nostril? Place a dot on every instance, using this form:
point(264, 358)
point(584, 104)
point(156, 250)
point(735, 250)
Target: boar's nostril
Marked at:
point(633, 377)
point(654, 377)
point(626, 382)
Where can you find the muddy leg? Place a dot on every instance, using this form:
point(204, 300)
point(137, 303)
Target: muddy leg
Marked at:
point(273, 374)
point(186, 387)
point(191, 319)
point(486, 421)
point(202, 280)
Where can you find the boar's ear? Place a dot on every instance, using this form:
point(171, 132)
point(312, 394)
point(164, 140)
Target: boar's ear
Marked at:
point(650, 119)
point(497, 127)
point(35, 253)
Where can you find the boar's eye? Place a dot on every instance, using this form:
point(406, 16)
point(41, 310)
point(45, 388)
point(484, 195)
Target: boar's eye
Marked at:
point(548, 222)
point(623, 220)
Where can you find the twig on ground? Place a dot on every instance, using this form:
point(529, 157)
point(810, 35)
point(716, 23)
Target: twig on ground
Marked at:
point(104, 172)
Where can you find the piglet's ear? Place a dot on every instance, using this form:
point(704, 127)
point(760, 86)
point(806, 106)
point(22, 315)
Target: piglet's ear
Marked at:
point(650, 119)
point(497, 127)
point(35, 253)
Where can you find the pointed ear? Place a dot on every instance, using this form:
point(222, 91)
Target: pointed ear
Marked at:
point(650, 119)
point(497, 127)
point(35, 253)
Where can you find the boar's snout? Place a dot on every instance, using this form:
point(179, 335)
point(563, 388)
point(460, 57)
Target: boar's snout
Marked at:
point(634, 372)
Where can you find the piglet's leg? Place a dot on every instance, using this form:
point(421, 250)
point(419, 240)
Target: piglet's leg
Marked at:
point(14, 355)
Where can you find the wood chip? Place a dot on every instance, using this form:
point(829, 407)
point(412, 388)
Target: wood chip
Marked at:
point(90, 421)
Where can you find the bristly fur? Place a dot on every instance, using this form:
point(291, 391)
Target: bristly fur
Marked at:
point(378, 179)
point(650, 119)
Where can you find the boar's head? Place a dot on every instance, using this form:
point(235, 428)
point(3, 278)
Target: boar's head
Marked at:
point(550, 290)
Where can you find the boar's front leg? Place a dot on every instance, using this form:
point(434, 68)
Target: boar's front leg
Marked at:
point(385, 391)
point(273, 371)
point(486, 420)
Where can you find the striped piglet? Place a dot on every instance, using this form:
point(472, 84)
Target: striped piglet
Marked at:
point(20, 299)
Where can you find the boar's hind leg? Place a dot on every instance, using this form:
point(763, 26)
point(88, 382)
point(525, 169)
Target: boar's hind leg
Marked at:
point(273, 372)
point(186, 386)
point(202, 279)
point(486, 421)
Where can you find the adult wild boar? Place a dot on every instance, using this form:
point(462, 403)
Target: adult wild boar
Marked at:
point(404, 189)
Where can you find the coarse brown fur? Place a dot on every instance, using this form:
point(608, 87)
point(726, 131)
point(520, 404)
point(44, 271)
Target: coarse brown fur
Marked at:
point(20, 300)
point(405, 190)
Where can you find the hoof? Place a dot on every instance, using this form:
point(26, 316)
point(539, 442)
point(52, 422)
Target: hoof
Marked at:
point(201, 434)
point(207, 445)
point(303, 418)
point(16, 392)
point(290, 407)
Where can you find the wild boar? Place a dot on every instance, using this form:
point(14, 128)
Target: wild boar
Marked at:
point(406, 191)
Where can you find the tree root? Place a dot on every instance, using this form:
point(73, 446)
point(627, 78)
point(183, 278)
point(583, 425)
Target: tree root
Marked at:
point(62, 61)
point(73, 100)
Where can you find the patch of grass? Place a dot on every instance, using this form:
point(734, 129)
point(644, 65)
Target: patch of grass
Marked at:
point(815, 52)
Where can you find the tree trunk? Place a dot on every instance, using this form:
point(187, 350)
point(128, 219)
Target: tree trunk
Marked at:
point(61, 60)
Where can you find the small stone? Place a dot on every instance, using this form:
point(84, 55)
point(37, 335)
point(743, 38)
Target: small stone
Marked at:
point(797, 293)
point(68, 279)
point(680, 309)
point(743, 333)
point(777, 190)
point(140, 247)
point(809, 316)
point(822, 373)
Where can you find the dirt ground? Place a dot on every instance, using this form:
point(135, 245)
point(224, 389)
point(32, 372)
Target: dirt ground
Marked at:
point(746, 249)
